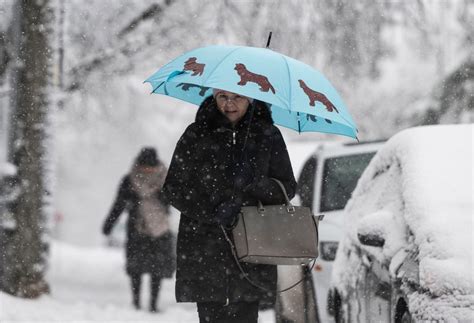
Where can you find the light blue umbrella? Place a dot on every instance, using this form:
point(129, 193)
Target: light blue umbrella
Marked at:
point(301, 98)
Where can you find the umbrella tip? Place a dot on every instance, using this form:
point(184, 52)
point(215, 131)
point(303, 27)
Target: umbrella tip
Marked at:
point(269, 39)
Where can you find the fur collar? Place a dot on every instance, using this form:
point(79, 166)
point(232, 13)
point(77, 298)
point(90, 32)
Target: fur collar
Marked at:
point(210, 118)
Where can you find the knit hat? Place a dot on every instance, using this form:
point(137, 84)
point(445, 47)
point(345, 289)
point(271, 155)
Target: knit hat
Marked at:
point(147, 157)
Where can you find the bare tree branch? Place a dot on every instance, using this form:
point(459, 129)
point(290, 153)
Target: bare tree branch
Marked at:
point(124, 48)
point(152, 11)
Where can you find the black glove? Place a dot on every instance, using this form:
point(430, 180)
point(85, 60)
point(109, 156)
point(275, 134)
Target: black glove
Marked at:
point(107, 228)
point(243, 173)
point(227, 213)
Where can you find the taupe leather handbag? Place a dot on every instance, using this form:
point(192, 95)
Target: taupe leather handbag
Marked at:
point(276, 234)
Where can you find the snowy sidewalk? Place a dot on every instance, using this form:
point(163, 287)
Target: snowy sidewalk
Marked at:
point(90, 285)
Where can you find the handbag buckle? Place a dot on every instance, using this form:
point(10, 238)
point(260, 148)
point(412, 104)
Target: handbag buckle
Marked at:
point(290, 209)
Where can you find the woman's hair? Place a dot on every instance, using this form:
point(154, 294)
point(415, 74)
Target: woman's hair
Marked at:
point(147, 157)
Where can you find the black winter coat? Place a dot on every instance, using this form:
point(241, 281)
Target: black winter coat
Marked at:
point(201, 176)
point(144, 254)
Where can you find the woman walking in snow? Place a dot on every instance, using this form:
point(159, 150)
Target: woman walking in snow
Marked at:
point(224, 160)
point(149, 240)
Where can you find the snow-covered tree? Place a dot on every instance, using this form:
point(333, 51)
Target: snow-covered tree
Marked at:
point(453, 99)
point(25, 246)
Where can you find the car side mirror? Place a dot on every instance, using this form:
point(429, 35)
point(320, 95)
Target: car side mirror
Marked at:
point(371, 239)
point(372, 228)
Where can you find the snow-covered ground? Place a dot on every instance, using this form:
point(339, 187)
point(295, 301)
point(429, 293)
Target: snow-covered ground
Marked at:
point(90, 285)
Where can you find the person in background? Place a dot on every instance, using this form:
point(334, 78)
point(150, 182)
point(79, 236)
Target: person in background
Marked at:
point(149, 239)
point(224, 160)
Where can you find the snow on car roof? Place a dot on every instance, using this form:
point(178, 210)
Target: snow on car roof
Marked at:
point(437, 173)
point(436, 201)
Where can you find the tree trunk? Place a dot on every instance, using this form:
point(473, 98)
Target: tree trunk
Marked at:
point(25, 246)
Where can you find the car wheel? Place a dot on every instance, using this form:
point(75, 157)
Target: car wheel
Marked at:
point(331, 308)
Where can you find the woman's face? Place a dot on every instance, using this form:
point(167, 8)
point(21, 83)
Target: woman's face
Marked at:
point(147, 169)
point(232, 105)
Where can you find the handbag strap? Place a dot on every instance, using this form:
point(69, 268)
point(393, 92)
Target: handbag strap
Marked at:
point(234, 254)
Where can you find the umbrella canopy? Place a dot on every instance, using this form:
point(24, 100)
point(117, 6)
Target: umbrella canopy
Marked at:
point(301, 98)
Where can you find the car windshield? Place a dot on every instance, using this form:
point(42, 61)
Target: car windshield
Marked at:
point(340, 176)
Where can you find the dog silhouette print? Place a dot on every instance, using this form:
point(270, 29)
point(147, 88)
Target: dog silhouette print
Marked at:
point(192, 65)
point(317, 96)
point(247, 76)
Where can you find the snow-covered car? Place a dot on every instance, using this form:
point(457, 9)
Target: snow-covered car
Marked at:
point(325, 183)
point(406, 254)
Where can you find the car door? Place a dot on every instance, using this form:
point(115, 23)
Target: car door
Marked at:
point(370, 301)
point(377, 293)
point(375, 232)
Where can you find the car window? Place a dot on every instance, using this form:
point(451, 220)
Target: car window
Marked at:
point(306, 182)
point(340, 176)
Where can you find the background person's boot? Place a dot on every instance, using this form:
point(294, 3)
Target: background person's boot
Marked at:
point(136, 284)
point(153, 307)
point(136, 301)
point(155, 289)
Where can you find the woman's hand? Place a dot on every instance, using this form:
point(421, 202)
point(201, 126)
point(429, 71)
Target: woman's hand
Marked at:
point(107, 228)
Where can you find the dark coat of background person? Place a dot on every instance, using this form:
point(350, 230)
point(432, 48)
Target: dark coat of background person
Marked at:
point(144, 254)
point(201, 176)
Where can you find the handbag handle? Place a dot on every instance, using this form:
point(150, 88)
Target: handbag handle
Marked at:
point(288, 204)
